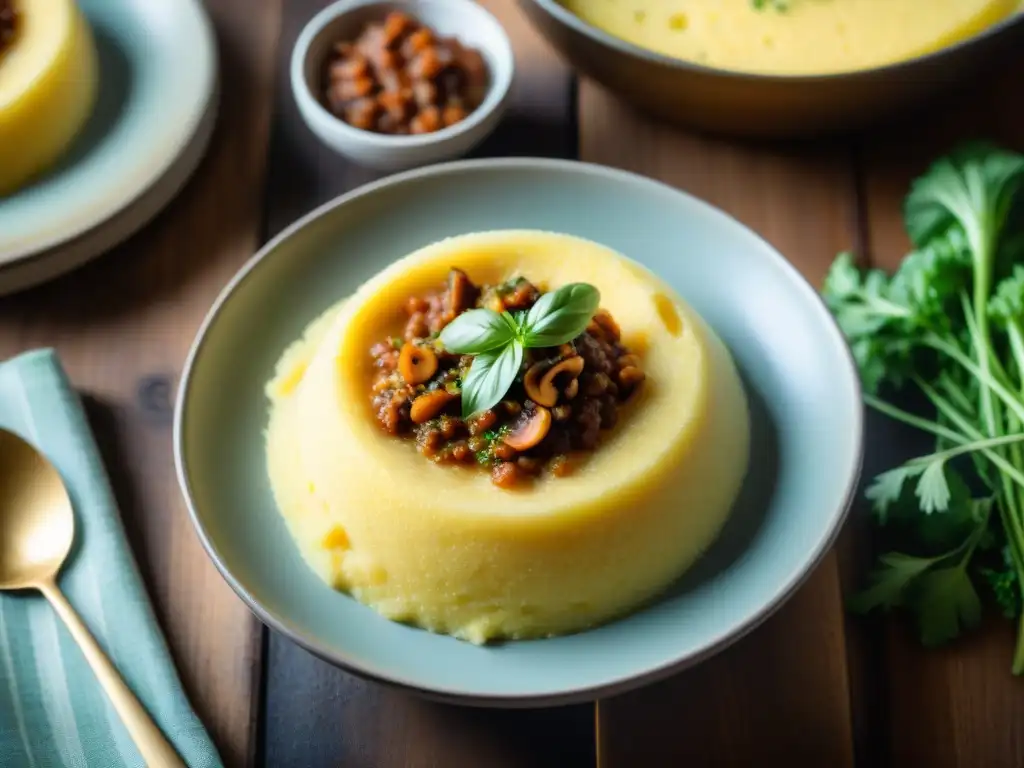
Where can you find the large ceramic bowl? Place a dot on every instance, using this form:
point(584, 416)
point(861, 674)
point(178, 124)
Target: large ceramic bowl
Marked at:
point(803, 389)
point(763, 105)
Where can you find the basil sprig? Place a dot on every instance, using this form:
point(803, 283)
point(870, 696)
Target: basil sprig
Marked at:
point(498, 340)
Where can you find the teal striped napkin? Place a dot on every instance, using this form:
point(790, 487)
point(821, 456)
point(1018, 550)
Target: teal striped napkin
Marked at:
point(52, 710)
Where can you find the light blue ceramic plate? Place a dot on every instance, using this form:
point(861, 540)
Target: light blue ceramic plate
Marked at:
point(158, 70)
point(800, 379)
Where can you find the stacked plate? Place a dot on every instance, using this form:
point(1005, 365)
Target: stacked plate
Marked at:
point(150, 128)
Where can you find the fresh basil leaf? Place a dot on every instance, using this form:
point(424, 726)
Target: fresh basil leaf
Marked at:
point(561, 315)
point(476, 331)
point(518, 320)
point(489, 378)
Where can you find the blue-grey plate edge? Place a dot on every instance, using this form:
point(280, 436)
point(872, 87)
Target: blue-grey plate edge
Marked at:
point(577, 695)
point(29, 246)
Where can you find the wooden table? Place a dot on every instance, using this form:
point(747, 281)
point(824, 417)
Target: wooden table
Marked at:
point(811, 687)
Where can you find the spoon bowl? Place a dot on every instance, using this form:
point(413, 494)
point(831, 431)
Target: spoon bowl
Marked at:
point(37, 529)
point(37, 525)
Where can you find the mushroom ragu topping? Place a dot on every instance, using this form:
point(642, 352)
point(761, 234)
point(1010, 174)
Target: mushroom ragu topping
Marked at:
point(560, 399)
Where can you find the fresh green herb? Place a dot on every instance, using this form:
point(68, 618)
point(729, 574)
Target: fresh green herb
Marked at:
point(490, 376)
point(560, 316)
point(1005, 585)
point(479, 330)
point(499, 340)
point(509, 286)
point(776, 5)
point(949, 325)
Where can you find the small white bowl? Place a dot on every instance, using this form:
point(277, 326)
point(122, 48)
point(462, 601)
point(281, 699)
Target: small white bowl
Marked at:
point(463, 19)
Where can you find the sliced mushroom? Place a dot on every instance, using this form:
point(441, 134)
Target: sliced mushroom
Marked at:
point(531, 382)
point(540, 380)
point(429, 404)
point(628, 361)
point(531, 431)
point(630, 377)
point(606, 323)
point(416, 364)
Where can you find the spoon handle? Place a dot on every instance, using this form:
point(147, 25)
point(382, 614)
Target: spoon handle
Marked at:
point(156, 751)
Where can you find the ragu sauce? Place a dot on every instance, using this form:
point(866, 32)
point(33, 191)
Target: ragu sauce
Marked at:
point(399, 77)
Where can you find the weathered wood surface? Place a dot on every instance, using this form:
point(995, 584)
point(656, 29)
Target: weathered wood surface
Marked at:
point(810, 687)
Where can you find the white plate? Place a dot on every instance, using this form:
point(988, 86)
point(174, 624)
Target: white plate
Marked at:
point(158, 69)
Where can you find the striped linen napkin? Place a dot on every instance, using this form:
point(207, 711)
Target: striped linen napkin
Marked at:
point(52, 710)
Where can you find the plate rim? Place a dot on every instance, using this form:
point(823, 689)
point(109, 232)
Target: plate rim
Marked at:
point(32, 245)
point(96, 242)
point(574, 695)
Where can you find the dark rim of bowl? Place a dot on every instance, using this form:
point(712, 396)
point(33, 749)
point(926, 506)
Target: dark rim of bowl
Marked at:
point(555, 10)
point(791, 584)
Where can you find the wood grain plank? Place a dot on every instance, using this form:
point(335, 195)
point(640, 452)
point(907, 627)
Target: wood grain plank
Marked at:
point(347, 721)
point(781, 695)
point(122, 327)
point(958, 707)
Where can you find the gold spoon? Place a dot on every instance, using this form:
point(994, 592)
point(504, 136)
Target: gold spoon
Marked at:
point(37, 527)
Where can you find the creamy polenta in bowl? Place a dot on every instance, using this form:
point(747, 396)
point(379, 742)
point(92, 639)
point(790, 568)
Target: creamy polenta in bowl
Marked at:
point(794, 37)
point(574, 489)
point(779, 67)
point(517, 432)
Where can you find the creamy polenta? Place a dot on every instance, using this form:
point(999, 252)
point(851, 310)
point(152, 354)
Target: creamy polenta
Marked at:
point(48, 84)
point(442, 546)
point(796, 37)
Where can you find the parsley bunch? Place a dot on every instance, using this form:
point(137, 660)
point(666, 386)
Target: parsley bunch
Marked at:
point(946, 331)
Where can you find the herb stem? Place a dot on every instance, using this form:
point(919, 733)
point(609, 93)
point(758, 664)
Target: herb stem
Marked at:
point(986, 380)
point(1016, 552)
point(914, 421)
point(1018, 653)
point(885, 307)
point(970, 431)
point(972, 447)
point(982, 247)
point(1009, 503)
point(956, 393)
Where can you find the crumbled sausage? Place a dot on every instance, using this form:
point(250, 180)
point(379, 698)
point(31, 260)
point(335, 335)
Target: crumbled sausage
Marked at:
point(413, 80)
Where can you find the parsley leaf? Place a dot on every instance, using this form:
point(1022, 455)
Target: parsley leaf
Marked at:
point(888, 583)
point(945, 603)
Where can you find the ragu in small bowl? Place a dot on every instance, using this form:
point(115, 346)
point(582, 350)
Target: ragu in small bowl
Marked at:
point(393, 85)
